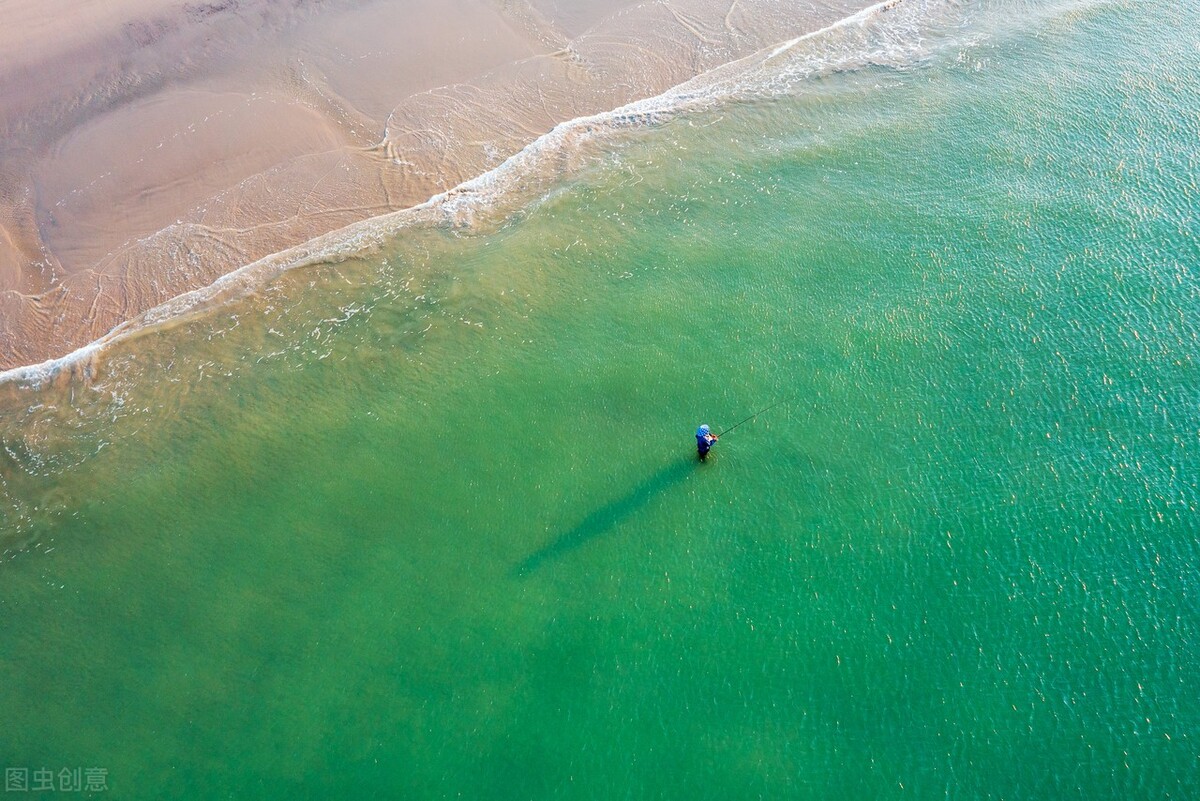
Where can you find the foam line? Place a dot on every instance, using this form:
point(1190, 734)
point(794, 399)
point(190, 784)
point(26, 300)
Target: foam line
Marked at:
point(759, 74)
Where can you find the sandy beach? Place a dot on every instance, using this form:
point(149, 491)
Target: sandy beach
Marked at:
point(148, 147)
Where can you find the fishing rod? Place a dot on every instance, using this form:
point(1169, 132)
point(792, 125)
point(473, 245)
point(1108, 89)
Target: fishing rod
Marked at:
point(751, 417)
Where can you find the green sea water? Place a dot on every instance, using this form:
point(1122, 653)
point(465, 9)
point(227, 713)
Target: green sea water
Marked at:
point(429, 524)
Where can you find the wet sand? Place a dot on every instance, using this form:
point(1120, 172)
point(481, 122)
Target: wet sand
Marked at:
point(149, 147)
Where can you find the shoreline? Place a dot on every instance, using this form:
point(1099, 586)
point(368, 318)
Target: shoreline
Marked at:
point(477, 192)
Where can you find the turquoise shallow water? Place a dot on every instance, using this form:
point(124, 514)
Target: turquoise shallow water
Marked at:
point(428, 524)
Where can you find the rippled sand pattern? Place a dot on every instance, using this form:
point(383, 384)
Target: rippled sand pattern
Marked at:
point(160, 146)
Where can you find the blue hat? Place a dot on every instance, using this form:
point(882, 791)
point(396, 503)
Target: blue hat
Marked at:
point(702, 430)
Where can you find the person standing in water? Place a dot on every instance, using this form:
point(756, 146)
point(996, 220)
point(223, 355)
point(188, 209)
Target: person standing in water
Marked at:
point(704, 441)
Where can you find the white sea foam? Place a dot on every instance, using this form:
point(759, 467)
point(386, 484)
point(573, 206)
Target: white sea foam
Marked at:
point(892, 33)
